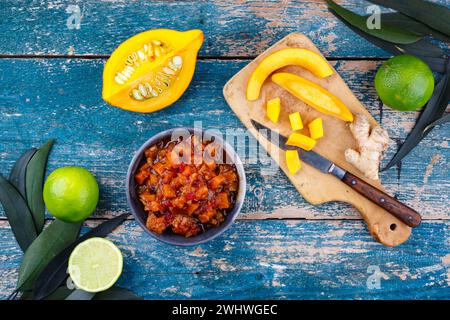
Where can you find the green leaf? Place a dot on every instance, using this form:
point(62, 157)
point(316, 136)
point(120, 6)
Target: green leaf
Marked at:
point(54, 274)
point(35, 182)
point(387, 31)
point(26, 296)
point(18, 214)
point(80, 295)
point(432, 14)
point(401, 21)
point(444, 119)
point(117, 293)
point(60, 293)
point(433, 111)
point(114, 293)
point(13, 295)
point(420, 49)
point(18, 172)
point(47, 245)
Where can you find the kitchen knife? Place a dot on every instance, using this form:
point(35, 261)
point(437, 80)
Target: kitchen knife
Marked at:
point(396, 208)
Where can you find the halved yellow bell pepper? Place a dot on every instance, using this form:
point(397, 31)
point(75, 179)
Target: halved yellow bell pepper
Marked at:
point(273, 109)
point(301, 141)
point(296, 121)
point(307, 59)
point(314, 95)
point(316, 128)
point(293, 161)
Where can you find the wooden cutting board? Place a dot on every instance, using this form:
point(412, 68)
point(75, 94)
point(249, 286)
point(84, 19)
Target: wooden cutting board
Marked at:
point(314, 186)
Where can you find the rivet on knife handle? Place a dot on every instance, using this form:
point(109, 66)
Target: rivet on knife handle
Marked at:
point(390, 204)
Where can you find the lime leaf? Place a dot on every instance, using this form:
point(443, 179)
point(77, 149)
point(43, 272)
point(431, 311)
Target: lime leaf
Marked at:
point(80, 295)
point(60, 293)
point(432, 14)
point(18, 214)
point(443, 120)
point(402, 21)
point(116, 293)
point(18, 172)
point(47, 245)
point(423, 49)
point(113, 293)
point(35, 182)
point(386, 31)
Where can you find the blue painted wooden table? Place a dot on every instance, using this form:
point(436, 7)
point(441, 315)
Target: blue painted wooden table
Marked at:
point(280, 247)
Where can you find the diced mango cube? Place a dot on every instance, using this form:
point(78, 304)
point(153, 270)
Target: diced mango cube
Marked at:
point(296, 121)
point(301, 141)
point(316, 128)
point(293, 161)
point(273, 109)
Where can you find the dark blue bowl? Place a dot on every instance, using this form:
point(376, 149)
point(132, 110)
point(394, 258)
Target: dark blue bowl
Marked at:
point(140, 215)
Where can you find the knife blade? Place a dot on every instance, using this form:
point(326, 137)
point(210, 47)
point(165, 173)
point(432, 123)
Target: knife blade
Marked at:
point(310, 157)
point(404, 213)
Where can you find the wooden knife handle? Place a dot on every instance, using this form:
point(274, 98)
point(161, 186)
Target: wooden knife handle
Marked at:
point(390, 204)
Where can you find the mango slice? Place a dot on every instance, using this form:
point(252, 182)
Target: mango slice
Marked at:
point(293, 161)
point(151, 70)
point(301, 141)
point(273, 109)
point(291, 56)
point(314, 95)
point(296, 121)
point(316, 128)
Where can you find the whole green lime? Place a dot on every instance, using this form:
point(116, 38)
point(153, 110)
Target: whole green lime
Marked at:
point(404, 83)
point(71, 194)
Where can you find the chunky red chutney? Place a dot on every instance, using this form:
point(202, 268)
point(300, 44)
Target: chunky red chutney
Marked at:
point(184, 188)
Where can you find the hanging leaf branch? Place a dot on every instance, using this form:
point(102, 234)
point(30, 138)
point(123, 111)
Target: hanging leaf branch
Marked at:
point(402, 33)
point(391, 42)
point(442, 120)
point(432, 113)
point(431, 14)
point(401, 21)
point(387, 32)
point(419, 49)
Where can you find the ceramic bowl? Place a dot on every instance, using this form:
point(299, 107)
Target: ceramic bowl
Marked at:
point(140, 215)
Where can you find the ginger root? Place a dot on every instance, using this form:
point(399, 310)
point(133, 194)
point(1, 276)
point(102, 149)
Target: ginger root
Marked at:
point(371, 146)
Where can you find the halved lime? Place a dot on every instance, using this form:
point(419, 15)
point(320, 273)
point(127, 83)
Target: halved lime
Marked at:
point(95, 265)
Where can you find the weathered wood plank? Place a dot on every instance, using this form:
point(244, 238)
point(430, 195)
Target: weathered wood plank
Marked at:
point(232, 28)
point(417, 181)
point(44, 98)
point(275, 259)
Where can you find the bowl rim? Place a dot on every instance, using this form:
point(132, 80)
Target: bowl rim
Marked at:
point(217, 231)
